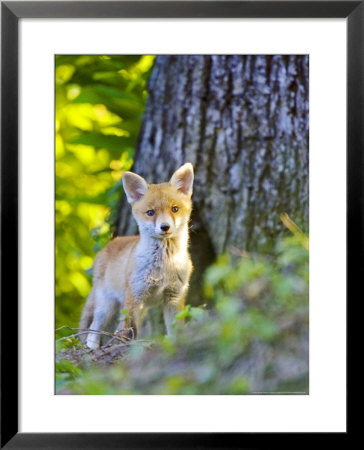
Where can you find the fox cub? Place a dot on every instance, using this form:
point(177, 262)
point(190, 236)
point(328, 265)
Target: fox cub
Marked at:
point(154, 268)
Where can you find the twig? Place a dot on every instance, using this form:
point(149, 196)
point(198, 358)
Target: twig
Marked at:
point(113, 336)
point(102, 333)
point(295, 229)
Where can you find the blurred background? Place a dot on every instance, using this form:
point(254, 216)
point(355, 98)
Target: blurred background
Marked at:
point(99, 105)
point(243, 123)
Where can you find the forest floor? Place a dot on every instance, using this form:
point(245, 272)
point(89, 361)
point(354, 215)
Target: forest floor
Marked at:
point(105, 355)
point(83, 358)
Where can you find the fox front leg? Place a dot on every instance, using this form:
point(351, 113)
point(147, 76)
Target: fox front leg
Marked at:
point(135, 316)
point(105, 310)
point(93, 338)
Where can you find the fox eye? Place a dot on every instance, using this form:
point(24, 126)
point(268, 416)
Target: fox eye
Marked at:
point(175, 209)
point(150, 212)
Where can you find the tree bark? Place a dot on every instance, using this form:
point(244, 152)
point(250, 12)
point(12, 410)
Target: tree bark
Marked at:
point(243, 123)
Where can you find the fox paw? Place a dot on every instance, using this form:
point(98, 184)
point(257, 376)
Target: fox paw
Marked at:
point(93, 341)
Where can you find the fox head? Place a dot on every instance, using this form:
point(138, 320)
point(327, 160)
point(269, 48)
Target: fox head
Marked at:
point(162, 211)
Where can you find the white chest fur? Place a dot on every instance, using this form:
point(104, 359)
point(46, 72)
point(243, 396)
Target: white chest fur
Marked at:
point(161, 271)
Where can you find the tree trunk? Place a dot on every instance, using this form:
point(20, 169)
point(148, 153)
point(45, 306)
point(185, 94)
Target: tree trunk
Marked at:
point(243, 123)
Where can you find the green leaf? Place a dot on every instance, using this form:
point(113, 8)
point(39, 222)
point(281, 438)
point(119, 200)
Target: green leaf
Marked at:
point(65, 366)
point(184, 313)
point(123, 104)
point(115, 144)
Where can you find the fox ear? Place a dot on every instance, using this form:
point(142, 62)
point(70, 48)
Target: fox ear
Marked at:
point(134, 186)
point(182, 179)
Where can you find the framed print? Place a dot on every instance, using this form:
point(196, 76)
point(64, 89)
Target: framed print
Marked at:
point(162, 166)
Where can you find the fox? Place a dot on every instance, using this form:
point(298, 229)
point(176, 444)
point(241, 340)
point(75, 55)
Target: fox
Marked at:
point(151, 269)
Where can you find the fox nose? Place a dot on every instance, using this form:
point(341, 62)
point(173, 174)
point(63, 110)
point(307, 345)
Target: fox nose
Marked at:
point(165, 227)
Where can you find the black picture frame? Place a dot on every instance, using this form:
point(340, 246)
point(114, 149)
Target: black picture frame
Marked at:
point(11, 12)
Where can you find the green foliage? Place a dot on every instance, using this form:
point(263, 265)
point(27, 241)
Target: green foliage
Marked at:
point(191, 312)
point(66, 372)
point(99, 104)
point(258, 323)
